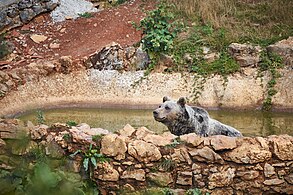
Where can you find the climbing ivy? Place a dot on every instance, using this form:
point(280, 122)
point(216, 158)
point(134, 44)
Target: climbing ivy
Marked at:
point(270, 62)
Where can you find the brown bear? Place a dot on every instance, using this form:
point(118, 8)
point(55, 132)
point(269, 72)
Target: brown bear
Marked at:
point(183, 119)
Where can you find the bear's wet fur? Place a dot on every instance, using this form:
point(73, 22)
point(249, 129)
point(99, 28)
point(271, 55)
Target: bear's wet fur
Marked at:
point(182, 119)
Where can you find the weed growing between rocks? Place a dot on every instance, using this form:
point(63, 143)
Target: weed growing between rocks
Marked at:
point(90, 158)
point(4, 50)
point(195, 191)
point(118, 2)
point(40, 117)
point(86, 15)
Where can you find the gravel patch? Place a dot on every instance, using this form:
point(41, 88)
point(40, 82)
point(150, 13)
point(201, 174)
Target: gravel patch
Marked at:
point(71, 9)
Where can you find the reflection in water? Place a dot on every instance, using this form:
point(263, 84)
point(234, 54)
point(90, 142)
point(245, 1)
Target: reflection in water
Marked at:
point(250, 123)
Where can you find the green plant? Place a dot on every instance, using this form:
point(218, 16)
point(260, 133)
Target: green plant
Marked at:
point(71, 123)
point(33, 173)
point(90, 158)
point(167, 164)
point(158, 31)
point(261, 22)
point(168, 191)
point(86, 15)
point(270, 62)
point(40, 117)
point(2, 94)
point(118, 2)
point(97, 138)
point(195, 191)
point(67, 137)
point(4, 50)
point(174, 143)
point(190, 54)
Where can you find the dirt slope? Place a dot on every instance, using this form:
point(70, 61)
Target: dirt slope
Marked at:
point(79, 37)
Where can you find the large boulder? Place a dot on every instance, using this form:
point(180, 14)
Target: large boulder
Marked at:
point(245, 54)
point(111, 57)
point(284, 48)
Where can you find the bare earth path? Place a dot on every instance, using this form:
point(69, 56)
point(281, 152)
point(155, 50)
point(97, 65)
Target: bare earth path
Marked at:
point(79, 37)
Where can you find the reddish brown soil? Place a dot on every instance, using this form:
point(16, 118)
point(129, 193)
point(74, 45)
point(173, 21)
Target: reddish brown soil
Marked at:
point(77, 38)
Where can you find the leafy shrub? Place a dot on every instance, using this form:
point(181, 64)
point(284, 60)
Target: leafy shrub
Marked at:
point(158, 31)
point(71, 123)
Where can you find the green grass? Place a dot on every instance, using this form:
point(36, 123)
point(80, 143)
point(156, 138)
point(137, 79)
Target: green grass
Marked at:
point(86, 15)
point(215, 24)
point(262, 22)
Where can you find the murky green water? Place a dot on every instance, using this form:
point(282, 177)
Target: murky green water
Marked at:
point(250, 123)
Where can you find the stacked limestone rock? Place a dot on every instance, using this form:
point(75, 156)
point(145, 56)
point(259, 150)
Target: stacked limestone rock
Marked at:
point(15, 13)
point(216, 164)
point(249, 55)
point(114, 57)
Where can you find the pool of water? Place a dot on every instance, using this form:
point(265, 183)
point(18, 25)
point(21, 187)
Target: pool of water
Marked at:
point(250, 123)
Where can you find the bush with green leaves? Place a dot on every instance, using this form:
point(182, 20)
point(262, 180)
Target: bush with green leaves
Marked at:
point(71, 123)
point(159, 31)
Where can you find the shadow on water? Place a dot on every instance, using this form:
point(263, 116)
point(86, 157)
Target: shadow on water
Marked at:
point(250, 123)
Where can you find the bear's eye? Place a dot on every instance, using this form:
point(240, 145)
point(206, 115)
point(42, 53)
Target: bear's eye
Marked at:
point(160, 106)
point(167, 107)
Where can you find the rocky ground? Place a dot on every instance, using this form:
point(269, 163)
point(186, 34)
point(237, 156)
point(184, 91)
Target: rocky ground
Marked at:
point(43, 39)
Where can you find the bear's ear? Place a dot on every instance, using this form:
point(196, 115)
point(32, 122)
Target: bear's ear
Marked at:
point(166, 98)
point(181, 101)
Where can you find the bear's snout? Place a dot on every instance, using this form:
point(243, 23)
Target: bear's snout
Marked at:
point(155, 113)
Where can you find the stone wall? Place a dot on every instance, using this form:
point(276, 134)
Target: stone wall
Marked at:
point(15, 13)
point(139, 158)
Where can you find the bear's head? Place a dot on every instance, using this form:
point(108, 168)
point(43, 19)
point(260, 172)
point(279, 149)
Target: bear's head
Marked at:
point(170, 111)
